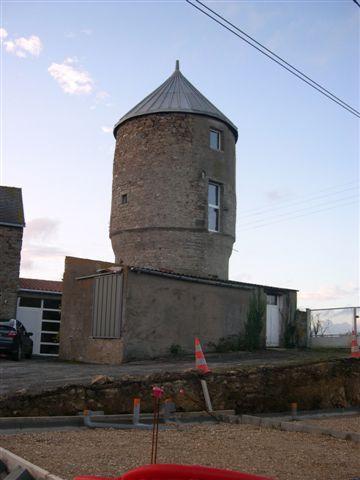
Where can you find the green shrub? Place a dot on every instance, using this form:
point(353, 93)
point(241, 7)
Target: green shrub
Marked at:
point(254, 323)
point(231, 343)
point(176, 350)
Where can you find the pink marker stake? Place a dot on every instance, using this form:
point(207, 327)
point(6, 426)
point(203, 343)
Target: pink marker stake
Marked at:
point(157, 393)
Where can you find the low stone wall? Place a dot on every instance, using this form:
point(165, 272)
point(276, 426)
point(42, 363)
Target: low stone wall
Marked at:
point(332, 384)
point(340, 341)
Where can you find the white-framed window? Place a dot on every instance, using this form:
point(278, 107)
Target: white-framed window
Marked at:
point(215, 139)
point(214, 207)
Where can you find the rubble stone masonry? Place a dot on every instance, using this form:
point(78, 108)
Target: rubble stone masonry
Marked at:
point(162, 167)
point(10, 250)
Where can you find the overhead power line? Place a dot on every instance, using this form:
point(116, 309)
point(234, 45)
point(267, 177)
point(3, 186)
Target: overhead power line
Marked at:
point(353, 184)
point(290, 214)
point(356, 3)
point(239, 230)
point(271, 55)
point(312, 199)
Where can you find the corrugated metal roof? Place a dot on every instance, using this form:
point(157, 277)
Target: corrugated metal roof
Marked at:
point(176, 94)
point(207, 280)
point(11, 207)
point(36, 284)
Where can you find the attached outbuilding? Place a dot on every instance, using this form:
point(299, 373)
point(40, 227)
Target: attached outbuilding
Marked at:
point(112, 314)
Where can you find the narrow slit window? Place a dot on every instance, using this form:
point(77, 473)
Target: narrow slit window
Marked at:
point(215, 139)
point(214, 207)
point(124, 199)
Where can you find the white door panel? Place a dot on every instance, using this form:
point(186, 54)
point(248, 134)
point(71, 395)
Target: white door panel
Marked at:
point(31, 319)
point(272, 326)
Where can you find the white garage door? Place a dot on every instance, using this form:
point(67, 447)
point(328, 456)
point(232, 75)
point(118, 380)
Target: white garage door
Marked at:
point(42, 318)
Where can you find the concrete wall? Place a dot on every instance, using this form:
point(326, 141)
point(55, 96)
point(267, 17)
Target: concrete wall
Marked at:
point(163, 163)
point(10, 252)
point(76, 341)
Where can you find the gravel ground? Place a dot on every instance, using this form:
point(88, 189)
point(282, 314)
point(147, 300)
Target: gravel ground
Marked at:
point(342, 424)
point(281, 455)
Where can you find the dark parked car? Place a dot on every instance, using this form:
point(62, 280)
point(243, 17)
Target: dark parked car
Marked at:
point(15, 340)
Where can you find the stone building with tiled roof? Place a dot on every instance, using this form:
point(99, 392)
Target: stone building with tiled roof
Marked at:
point(35, 302)
point(12, 223)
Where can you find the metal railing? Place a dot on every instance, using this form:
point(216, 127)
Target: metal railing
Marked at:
point(332, 327)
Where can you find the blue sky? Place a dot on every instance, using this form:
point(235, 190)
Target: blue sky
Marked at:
point(70, 70)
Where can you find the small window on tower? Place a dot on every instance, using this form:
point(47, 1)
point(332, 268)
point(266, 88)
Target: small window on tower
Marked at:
point(214, 207)
point(124, 198)
point(215, 139)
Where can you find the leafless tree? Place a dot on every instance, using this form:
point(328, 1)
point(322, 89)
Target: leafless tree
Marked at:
point(318, 327)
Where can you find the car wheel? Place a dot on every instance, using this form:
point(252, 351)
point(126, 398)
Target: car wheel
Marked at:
point(18, 354)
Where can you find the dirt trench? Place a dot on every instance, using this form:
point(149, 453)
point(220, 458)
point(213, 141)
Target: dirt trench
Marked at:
point(259, 389)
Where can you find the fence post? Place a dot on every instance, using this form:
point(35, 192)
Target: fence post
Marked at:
point(308, 327)
point(355, 322)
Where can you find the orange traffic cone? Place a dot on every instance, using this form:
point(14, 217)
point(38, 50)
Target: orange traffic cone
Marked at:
point(200, 361)
point(355, 353)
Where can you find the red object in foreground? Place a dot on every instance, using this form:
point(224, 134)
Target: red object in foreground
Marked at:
point(178, 472)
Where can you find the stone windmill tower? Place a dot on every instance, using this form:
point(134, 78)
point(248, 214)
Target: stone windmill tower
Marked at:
point(173, 195)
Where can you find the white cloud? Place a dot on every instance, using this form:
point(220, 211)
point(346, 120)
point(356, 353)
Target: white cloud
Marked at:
point(38, 253)
point(330, 292)
point(102, 95)
point(71, 78)
point(22, 47)
point(84, 31)
point(40, 257)
point(3, 33)
point(41, 228)
point(31, 45)
point(106, 129)
point(9, 46)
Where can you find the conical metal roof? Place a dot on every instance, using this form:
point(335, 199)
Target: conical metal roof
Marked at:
point(176, 94)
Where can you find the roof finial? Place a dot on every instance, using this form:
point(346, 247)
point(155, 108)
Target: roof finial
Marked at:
point(177, 65)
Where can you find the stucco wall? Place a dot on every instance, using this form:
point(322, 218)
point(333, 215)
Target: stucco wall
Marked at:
point(163, 163)
point(162, 311)
point(10, 251)
point(76, 341)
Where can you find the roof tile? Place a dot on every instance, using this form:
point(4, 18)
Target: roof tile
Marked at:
point(40, 285)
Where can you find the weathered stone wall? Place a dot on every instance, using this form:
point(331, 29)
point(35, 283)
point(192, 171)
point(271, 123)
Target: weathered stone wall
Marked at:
point(158, 312)
point(163, 163)
point(162, 311)
point(76, 341)
point(10, 252)
point(333, 384)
